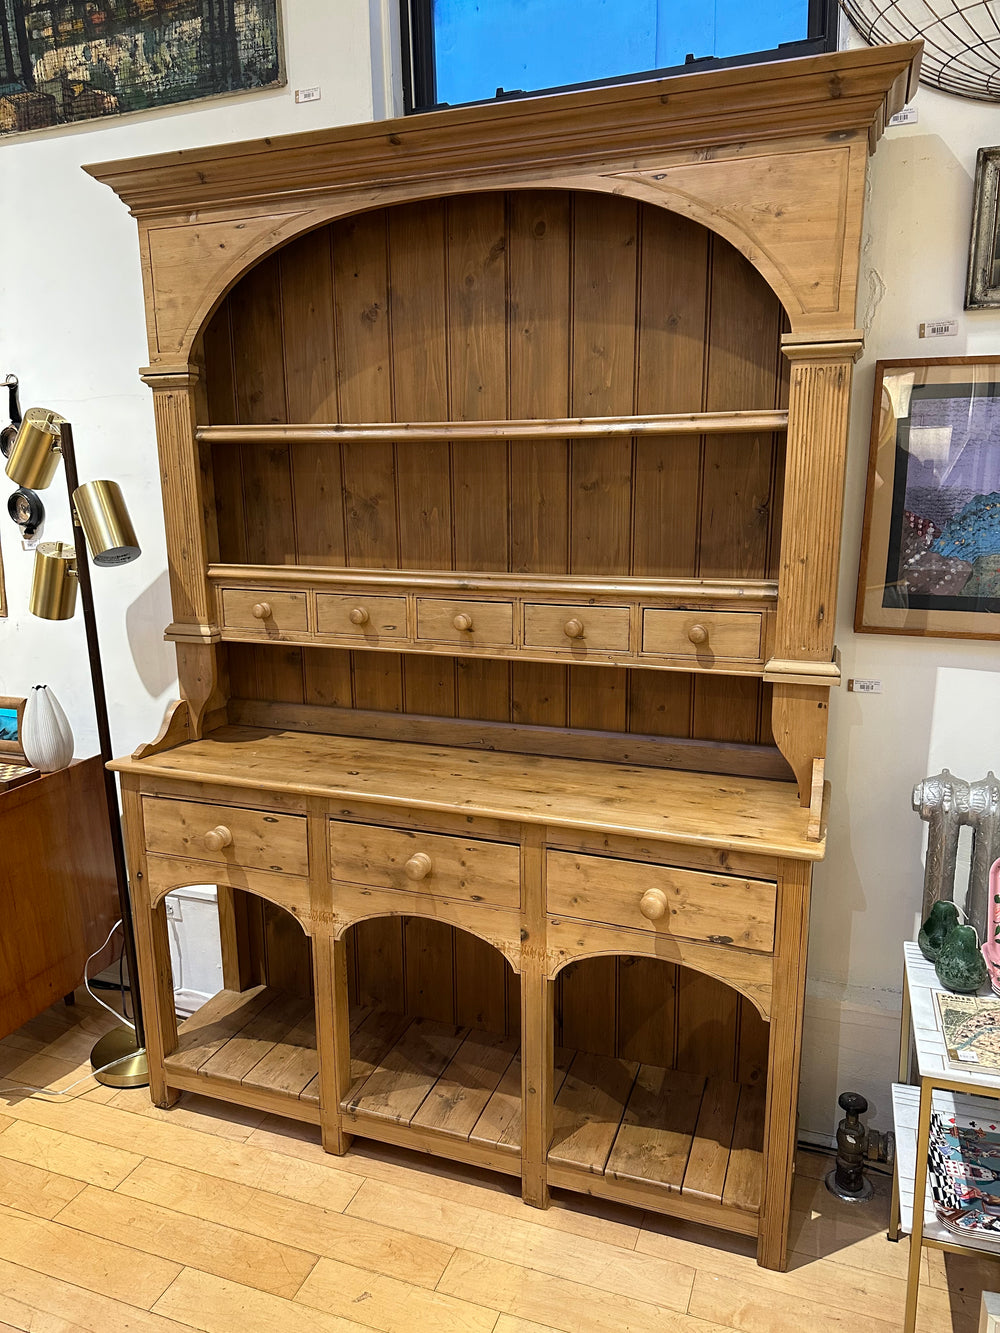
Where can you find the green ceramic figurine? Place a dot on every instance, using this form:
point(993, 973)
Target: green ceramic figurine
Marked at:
point(960, 965)
point(943, 918)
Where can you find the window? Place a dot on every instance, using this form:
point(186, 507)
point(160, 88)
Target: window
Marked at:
point(476, 50)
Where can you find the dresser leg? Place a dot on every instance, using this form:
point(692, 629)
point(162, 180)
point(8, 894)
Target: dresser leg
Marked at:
point(784, 1049)
point(536, 1083)
point(333, 1037)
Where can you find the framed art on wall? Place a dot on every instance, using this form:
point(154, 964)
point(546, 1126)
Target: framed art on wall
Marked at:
point(982, 288)
point(77, 60)
point(930, 551)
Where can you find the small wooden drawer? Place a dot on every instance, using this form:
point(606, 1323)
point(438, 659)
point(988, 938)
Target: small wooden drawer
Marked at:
point(226, 834)
point(382, 858)
point(687, 904)
point(702, 634)
point(476, 624)
point(581, 628)
point(269, 614)
point(356, 615)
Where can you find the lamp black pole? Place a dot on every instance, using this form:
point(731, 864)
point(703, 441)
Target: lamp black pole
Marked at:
point(117, 1045)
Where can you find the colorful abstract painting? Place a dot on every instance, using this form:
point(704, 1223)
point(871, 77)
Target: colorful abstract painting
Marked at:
point(72, 61)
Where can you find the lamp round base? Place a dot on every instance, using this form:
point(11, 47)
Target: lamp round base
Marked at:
point(129, 1067)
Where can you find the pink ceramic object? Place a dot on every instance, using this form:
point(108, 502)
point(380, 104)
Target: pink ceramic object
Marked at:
point(991, 945)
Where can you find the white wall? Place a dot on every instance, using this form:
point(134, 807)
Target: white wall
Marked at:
point(72, 329)
point(940, 700)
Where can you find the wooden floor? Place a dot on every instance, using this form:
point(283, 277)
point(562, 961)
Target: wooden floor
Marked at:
point(116, 1217)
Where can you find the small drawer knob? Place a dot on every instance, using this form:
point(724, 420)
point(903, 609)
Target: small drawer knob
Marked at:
point(359, 616)
point(573, 629)
point(217, 838)
point(462, 621)
point(698, 634)
point(653, 904)
point(419, 866)
point(262, 611)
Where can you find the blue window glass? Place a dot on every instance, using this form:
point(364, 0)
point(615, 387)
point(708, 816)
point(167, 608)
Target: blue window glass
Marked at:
point(475, 47)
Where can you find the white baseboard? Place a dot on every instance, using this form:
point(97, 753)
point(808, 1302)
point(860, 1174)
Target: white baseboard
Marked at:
point(850, 1043)
point(188, 1002)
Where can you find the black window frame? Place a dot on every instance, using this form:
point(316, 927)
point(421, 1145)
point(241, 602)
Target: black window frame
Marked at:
point(419, 76)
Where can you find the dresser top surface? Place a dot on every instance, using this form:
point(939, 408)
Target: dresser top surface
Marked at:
point(694, 809)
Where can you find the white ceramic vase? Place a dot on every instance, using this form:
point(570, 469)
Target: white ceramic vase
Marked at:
point(46, 736)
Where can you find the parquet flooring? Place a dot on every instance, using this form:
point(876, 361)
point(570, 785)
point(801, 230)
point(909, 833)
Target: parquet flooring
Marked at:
point(116, 1217)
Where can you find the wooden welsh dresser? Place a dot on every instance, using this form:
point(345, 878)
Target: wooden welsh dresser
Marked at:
point(502, 453)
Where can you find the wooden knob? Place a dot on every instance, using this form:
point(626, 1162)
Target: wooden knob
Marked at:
point(217, 838)
point(698, 634)
point(262, 611)
point(359, 616)
point(573, 629)
point(653, 904)
point(462, 621)
point(419, 866)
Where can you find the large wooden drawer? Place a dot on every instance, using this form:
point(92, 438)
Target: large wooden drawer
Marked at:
point(464, 623)
point(688, 904)
point(445, 867)
point(356, 615)
point(597, 629)
point(261, 611)
point(226, 834)
point(702, 634)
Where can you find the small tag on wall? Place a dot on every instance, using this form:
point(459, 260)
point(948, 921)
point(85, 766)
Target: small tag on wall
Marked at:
point(908, 116)
point(859, 686)
point(307, 94)
point(939, 328)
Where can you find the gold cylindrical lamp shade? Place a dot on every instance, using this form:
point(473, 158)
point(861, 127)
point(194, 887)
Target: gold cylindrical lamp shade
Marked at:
point(34, 455)
point(54, 583)
point(104, 517)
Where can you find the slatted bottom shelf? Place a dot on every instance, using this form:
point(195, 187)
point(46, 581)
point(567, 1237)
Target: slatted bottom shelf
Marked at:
point(652, 1137)
point(256, 1048)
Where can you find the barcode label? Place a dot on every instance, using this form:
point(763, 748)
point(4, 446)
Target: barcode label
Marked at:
point(939, 328)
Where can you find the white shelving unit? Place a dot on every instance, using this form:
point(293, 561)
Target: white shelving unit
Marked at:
point(941, 1087)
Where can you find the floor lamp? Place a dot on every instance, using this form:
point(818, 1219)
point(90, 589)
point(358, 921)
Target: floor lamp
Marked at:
point(104, 528)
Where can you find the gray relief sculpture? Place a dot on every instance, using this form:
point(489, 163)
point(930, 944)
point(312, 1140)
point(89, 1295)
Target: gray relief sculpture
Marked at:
point(947, 804)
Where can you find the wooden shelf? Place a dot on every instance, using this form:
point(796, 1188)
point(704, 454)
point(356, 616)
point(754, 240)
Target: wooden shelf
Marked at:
point(644, 1135)
point(429, 432)
point(661, 1139)
point(693, 809)
point(747, 593)
point(256, 1048)
point(451, 1091)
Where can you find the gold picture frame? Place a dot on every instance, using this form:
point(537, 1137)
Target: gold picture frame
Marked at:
point(11, 710)
point(930, 548)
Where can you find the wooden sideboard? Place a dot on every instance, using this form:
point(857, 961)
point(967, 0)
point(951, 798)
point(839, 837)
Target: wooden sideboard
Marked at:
point(503, 453)
point(58, 892)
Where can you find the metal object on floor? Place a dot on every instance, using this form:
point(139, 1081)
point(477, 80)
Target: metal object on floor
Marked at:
point(129, 1067)
point(848, 1180)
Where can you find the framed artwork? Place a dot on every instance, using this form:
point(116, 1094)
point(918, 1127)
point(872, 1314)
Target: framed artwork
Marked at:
point(930, 551)
point(982, 288)
point(11, 718)
point(63, 61)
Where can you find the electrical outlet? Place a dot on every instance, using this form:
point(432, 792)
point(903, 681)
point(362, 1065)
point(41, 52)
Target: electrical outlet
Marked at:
point(173, 909)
